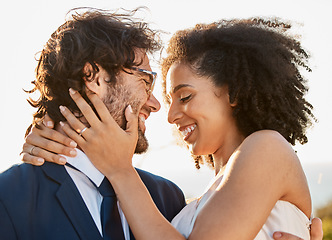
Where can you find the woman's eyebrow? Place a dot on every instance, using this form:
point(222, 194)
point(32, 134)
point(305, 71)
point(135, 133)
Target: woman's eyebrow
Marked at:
point(178, 87)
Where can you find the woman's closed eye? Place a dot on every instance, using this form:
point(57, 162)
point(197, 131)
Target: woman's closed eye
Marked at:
point(186, 98)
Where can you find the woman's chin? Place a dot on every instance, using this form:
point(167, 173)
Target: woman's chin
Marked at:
point(194, 149)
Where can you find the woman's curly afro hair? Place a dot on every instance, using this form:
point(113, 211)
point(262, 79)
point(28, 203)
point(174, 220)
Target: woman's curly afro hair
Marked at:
point(259, 63)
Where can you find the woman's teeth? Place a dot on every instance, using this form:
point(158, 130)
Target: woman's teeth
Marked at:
point(188, 130)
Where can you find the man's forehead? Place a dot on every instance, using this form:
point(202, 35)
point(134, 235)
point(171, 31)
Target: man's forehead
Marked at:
point(142, 57)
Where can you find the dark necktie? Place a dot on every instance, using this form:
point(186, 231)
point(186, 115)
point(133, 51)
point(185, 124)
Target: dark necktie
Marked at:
point(110, 217)
point(109, 212)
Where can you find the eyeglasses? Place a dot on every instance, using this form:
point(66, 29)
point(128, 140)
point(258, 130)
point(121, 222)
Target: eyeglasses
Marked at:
point(152, 76)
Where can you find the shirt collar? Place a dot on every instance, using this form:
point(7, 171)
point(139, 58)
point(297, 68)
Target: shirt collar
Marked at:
point(83, 163)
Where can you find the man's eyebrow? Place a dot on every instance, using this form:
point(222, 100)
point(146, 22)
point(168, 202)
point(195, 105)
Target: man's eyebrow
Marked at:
point(178, 87)
point(145, 74)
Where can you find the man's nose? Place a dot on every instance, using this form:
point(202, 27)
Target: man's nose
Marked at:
point(153, 103)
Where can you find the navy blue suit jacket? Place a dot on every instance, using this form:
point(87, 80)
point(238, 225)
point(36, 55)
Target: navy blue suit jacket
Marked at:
point(42, 203)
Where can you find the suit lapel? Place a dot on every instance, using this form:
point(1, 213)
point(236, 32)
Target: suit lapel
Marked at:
point(142, 176)
point(131, 235)
point(72, 202)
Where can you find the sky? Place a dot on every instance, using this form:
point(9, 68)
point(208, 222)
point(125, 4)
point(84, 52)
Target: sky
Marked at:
point(27, 25)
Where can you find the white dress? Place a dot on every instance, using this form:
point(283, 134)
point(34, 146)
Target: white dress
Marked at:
point(284, 217)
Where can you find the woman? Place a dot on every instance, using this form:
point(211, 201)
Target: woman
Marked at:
point(236, 95)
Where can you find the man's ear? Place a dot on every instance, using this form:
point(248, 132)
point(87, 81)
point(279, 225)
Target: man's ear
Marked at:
point(91, 78)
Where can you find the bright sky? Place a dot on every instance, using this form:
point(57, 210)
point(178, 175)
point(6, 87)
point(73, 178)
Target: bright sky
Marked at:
point(27, 25)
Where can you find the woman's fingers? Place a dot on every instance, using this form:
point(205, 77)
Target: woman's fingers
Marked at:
point(316, 232)
point(48, 122)
point(37, 156)
point(101, 108)
point(84, 107)
point(50, 140)
point(77, 137)
point(285, 236)
point(132, 121)
point(43, 143)
point(87, 111)
point(27, 158)
point(75, 124)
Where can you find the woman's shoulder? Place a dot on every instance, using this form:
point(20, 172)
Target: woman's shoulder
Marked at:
point(274, 155)
point(267, 150)
point(266, 135)
point(270, 143)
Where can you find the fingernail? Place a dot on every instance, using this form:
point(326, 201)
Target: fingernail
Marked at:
point(62, 124)
point(40, 160)
point(72, 91)
point(73, 144)
point(62, 108)
point(73, 153)
point(130, 109)
point(142, 118)
point(49, 124)
point(277, 235)
point(62, 160)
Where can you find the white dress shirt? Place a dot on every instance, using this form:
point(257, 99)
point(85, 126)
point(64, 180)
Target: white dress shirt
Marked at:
point(88, 191)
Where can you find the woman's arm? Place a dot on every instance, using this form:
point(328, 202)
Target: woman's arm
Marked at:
point(43, 143)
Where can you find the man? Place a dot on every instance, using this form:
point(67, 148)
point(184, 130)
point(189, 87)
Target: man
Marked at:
point(104, 53)
point(117, 84)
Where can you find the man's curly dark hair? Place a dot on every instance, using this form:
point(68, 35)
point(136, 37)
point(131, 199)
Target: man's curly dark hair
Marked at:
point(108, 39)
point(259, 63)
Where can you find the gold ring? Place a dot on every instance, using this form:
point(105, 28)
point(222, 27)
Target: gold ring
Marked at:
point(31, 149)
point(82, 131)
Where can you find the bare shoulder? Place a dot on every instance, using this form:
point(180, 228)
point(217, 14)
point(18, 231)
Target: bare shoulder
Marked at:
point(264, 153)
point(267, 156)
point(268, 146)
point(267, 153)
point(267, 137)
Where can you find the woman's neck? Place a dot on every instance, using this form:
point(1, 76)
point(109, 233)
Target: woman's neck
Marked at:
point(222, 155)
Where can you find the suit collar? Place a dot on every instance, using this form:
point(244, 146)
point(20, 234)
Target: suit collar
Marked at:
point(72, 202)
point(83, 164)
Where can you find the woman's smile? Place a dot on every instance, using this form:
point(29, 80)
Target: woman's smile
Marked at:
point(187, 131)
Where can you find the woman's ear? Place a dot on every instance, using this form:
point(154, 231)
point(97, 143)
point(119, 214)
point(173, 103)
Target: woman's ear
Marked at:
point(232, 102)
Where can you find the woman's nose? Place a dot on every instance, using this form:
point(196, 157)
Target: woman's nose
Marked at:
point(173, 113)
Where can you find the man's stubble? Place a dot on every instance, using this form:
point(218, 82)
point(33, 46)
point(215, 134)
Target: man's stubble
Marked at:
point(117, 99)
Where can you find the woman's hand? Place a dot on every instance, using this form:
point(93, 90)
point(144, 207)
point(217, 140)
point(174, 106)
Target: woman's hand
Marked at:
point(109, 147)
point(316, 232)
point(44, 144)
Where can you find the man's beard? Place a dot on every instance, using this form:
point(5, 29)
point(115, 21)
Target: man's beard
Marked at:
point(116, 101)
